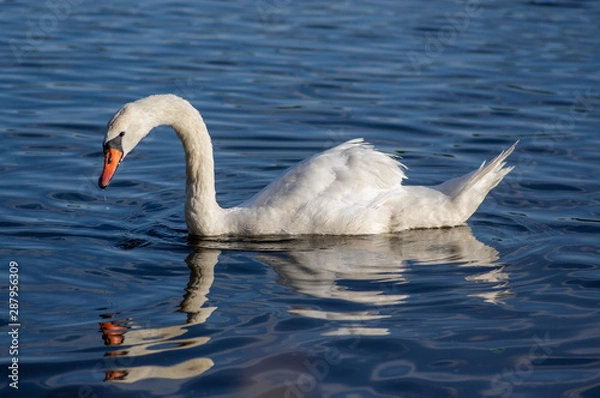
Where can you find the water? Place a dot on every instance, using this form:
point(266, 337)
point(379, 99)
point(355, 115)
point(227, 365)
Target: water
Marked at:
point(116, 300)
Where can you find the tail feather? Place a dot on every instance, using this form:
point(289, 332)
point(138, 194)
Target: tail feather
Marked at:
point(467, 192)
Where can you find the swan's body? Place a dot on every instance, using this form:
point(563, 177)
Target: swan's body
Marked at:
point(350, 189)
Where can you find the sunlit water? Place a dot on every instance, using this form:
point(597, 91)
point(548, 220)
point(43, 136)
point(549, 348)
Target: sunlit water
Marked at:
point(115, 300)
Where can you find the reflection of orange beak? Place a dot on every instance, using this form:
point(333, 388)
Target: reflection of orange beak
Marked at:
point(112, 333)
point(116, 375)
point(112, 158)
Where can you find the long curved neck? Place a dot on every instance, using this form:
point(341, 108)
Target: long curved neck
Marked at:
point(203, 215)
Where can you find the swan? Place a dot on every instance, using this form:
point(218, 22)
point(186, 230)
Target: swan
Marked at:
point(350, 189)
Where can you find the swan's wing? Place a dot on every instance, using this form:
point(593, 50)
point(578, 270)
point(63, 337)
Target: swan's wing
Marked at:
point(351, 173)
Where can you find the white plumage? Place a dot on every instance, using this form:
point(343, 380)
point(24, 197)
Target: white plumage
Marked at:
point(350, 189)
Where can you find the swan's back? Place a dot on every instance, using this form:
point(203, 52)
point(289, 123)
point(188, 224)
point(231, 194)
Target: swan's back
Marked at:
point(334, 192)
point(353, 189)
point(353, 171)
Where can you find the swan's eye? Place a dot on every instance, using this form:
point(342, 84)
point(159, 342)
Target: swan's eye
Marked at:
point(115, 142)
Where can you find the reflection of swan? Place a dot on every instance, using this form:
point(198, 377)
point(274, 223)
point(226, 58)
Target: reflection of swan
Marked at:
point(134, 342)
point(348, 190)
point(381, 260)
point(322, 266)
point(315, 266)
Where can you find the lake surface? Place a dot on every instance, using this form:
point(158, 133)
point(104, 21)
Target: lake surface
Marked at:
point(114, 298)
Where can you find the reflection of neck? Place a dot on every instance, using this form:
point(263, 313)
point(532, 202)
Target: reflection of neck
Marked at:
point(202, 276)
point(137, 342)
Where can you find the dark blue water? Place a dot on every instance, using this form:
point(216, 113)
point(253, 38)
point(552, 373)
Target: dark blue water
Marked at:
point(114, 298)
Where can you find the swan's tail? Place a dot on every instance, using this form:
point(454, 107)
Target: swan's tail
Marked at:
point(467, 192)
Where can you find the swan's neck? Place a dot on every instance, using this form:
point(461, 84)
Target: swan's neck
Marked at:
point(203, 215)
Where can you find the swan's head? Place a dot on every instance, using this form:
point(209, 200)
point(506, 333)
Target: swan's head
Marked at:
point(135, 120)
point(124, 131)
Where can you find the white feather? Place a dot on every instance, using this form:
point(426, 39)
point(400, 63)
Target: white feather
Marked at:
point(347, 190)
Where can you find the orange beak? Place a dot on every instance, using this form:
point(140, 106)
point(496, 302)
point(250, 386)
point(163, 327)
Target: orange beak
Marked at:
point(112, 158)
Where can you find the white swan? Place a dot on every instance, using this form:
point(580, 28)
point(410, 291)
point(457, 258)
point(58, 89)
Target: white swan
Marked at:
point(350, 189)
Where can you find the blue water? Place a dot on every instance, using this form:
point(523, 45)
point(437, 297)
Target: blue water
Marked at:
point(115, 300)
